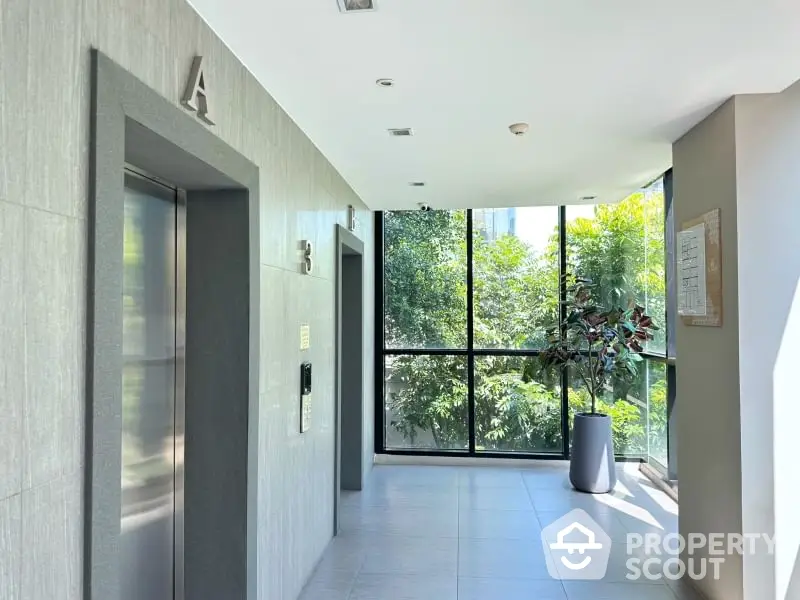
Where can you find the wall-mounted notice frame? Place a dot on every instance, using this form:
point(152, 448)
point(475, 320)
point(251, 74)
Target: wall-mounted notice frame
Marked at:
point(699, 262)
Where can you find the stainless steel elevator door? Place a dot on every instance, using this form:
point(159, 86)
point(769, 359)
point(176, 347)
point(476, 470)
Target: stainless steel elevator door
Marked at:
point(152, 390)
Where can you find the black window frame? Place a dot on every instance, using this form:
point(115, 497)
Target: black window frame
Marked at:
point(470, 352)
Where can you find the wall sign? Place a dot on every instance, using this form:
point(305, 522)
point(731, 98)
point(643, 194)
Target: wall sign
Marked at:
point(195, 96)
point(699, 243)
point(308, 257)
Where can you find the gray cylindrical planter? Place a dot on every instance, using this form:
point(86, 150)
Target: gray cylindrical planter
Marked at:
point(592, 466)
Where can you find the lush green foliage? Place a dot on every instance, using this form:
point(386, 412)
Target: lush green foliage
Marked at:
point(518, 407)
point(425, 274)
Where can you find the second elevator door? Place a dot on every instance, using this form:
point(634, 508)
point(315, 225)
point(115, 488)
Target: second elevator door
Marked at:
point(152, 394)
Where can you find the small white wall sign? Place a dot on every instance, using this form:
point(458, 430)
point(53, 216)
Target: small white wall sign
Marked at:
point(305, 336)
point(195, 96)
point(305, 413)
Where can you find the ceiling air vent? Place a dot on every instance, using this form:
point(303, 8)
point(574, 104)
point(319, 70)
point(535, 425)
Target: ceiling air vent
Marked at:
point(404, 132)
point(356, 5)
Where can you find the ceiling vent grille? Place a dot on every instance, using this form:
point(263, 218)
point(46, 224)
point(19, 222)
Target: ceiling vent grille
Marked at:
point(403, 132)
point(347, 6)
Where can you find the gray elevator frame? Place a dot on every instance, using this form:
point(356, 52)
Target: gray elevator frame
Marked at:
point(349, 452)
point(130, 123)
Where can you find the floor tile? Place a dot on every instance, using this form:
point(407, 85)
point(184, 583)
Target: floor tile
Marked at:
point(473, 498)
point(345, 553)
point(620, 570)
point(412, 555)
point(565, 500)
point(491, 478)
point(414, 476)
point(593, 590)
point(512, 559)
point(399, 497)
point(684, 590)
point(441, 533)
point(608, 521)
point(415, 522)
point(644, 522)
point(334, 585)
point(546, 479)
point(401, 587)
point(498, 524)
point(470, 588)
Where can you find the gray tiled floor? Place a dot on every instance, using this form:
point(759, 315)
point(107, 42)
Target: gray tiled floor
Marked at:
point(473, 533)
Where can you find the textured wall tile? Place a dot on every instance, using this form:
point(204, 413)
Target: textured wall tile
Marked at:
point(10, 548)
point(54, 356)
point(275, 334)
point(3, 112)
point(44, 162)
point(13, 99)
point(12, 347)
point(279, 244)
point(54, 145)
point(52, 534)
point(260, 119)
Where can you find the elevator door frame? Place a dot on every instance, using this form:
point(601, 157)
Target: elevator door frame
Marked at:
point(168, 192)
point(130, 122)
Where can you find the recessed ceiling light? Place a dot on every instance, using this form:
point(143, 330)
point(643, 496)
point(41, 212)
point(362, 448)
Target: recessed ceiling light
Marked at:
point(385, 82)
point(417, 184)
point(356, 5)
point(402, 132)
point(588, 198)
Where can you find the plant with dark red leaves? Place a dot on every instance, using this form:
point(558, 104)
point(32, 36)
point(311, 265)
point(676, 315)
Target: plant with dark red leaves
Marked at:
point(599, 344)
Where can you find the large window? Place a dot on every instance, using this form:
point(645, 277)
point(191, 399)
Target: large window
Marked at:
point(468, 297)
point(425, 279)
point(515, 276)
point(620, 247)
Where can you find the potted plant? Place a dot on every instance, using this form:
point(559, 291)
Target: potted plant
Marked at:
point(601, 346)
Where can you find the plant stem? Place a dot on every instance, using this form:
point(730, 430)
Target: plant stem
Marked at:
point(585, 381)
point(591, 376)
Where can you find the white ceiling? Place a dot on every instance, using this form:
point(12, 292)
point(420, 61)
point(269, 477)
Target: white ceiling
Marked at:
point(606, 87)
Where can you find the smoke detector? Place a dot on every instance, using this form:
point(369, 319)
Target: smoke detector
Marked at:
point(347, 6)
point(386, 83)
point(402, 132)
point(518, 128)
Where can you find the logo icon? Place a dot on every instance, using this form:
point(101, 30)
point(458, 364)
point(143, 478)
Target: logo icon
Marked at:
point(576, 547)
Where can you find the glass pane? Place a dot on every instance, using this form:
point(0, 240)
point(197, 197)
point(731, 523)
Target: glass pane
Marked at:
point(620, 247)
point(425, 279)
point(515, 274)
point(148, 395)
point(627, 406)
point(514, 410)
point(655, 277)
point(671, 306)
point(426, 402)
point(657, 411)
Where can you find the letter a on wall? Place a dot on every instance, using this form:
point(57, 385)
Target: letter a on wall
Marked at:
point(195, 97)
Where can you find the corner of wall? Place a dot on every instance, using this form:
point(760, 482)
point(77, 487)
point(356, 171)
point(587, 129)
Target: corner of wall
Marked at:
point(709, 450)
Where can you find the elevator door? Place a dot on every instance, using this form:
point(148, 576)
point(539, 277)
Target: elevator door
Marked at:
point(152, 391)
